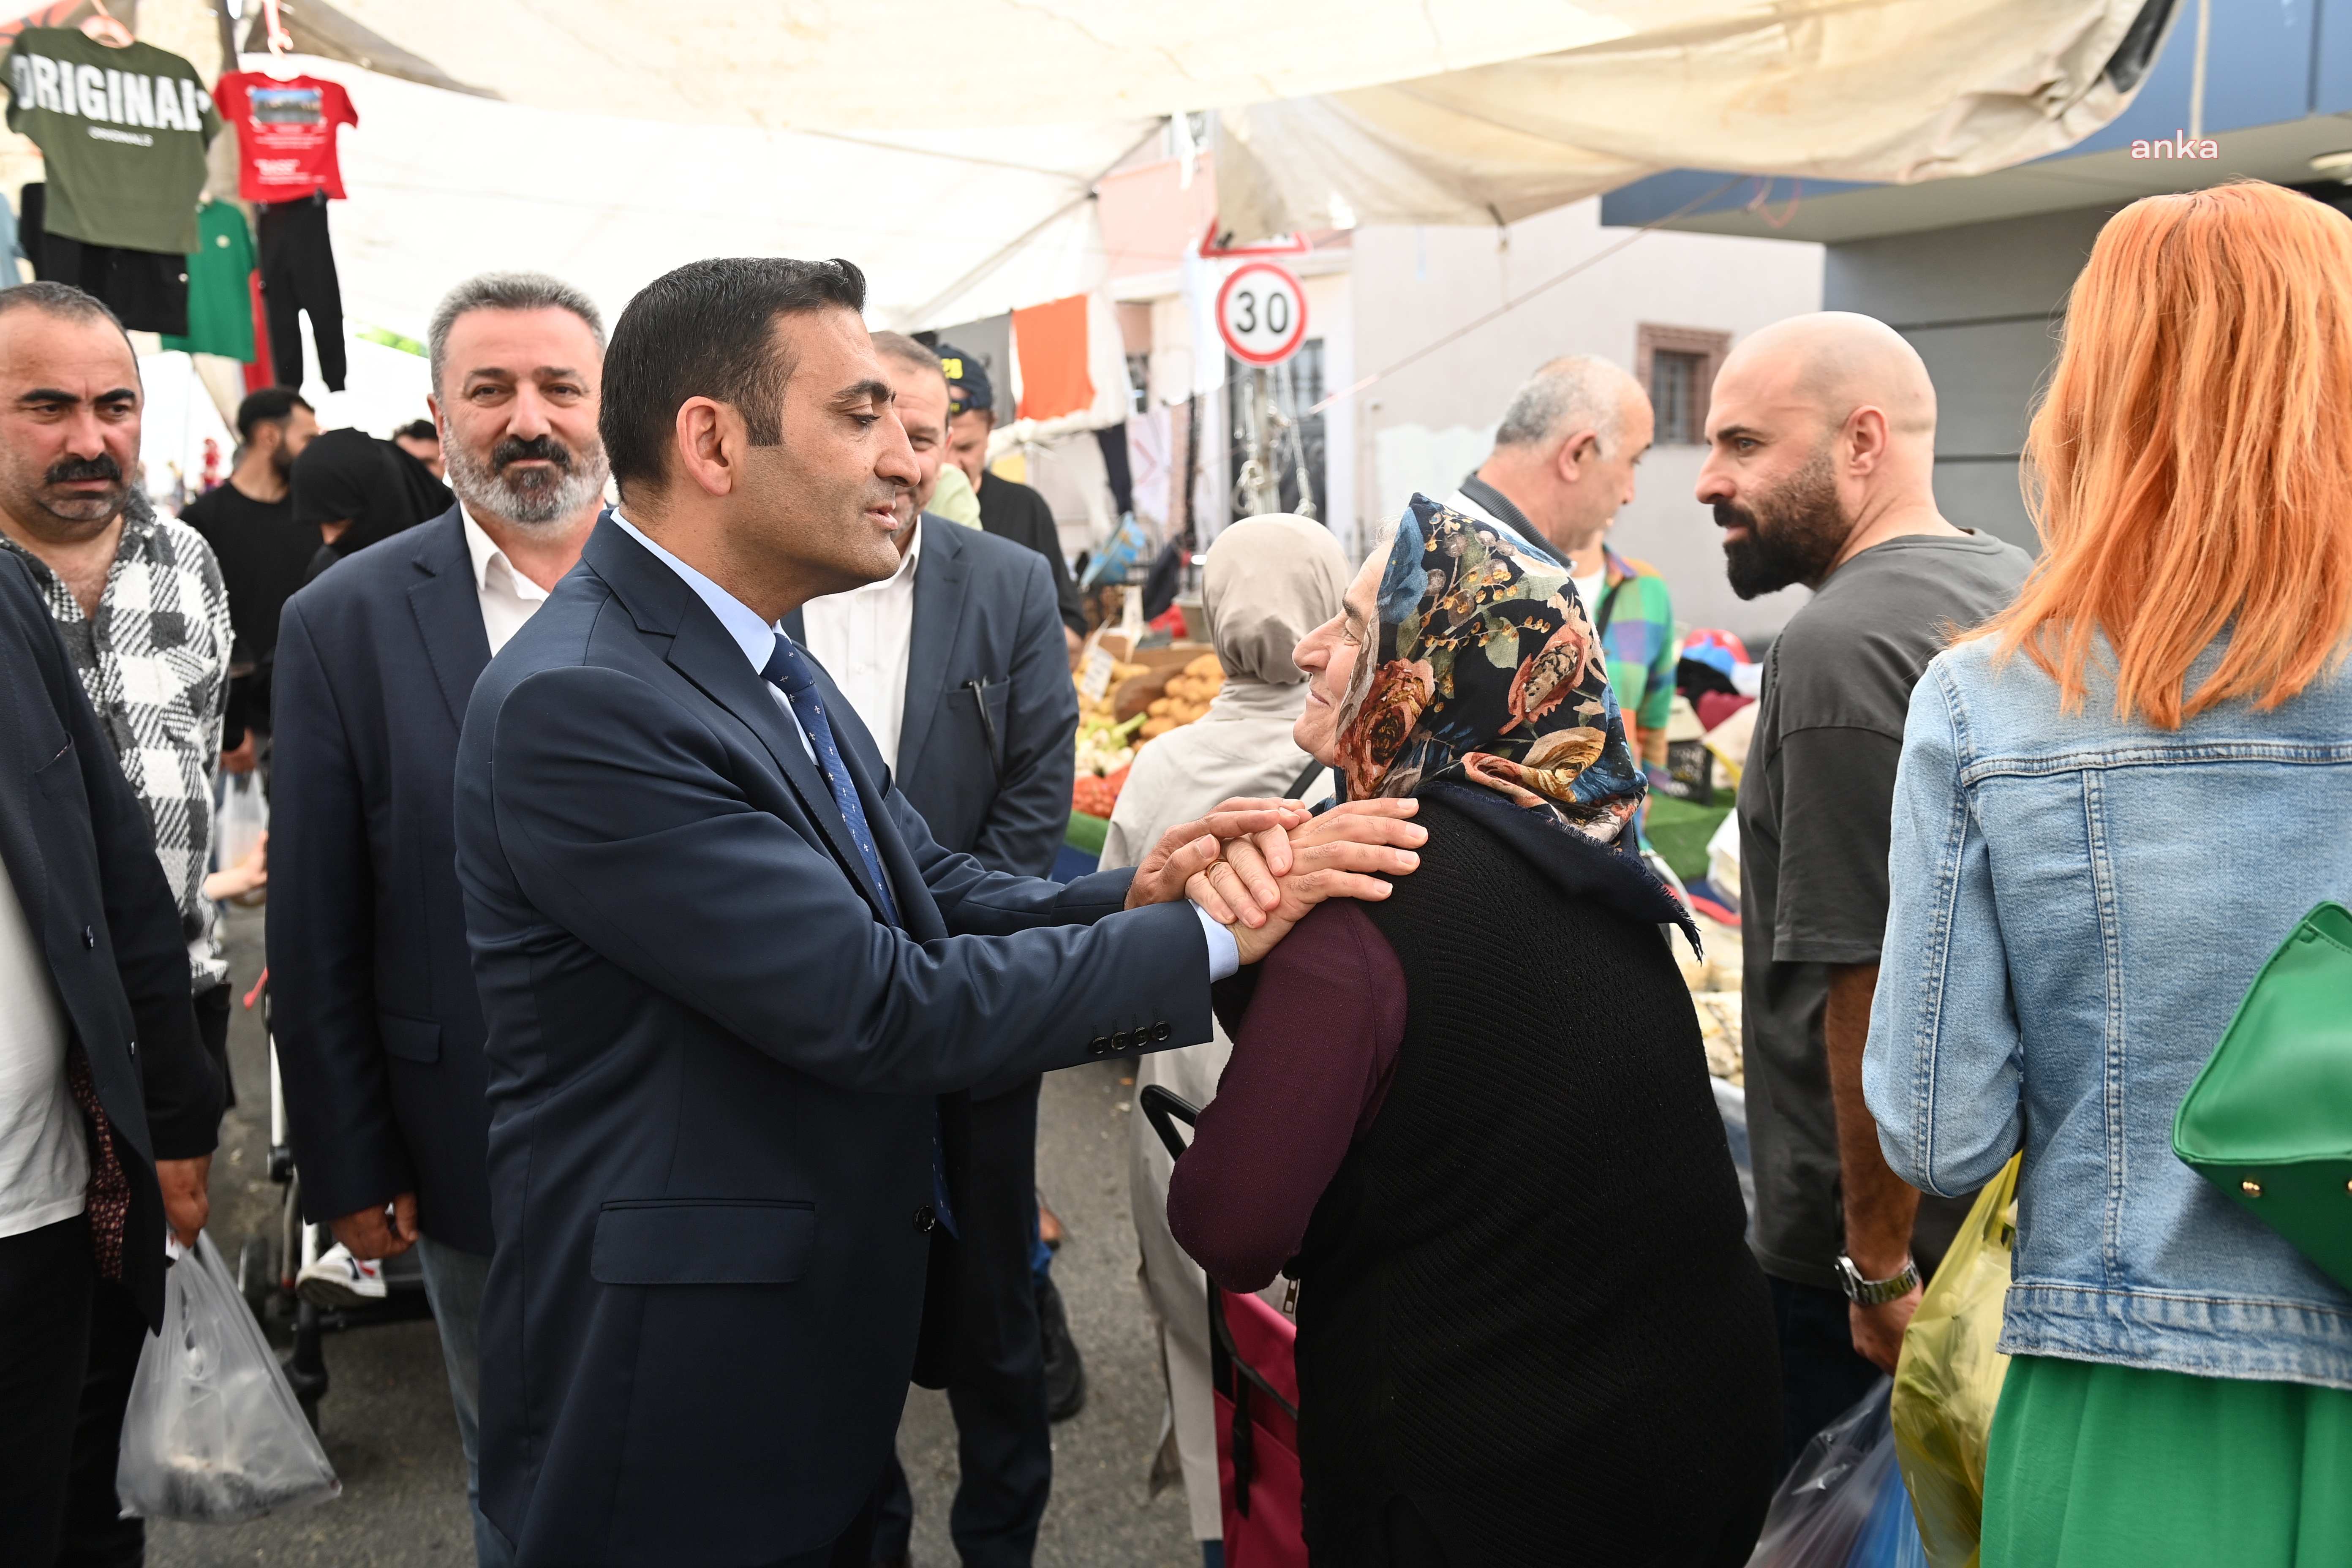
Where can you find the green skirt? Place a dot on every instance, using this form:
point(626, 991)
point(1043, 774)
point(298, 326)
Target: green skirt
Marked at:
point(2092, 1466)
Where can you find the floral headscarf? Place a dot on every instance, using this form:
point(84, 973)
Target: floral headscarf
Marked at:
point(1487, 669)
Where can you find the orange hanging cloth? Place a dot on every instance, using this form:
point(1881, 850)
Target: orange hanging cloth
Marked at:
point(1051, 342)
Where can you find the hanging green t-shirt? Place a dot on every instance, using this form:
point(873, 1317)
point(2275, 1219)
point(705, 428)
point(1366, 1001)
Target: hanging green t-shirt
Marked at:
point(123, 133)
point(220, 286)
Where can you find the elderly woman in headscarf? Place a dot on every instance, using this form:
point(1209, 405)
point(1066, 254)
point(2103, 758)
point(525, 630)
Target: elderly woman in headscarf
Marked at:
point(357, 491)
point(1473, 1119)
point(1266, 584)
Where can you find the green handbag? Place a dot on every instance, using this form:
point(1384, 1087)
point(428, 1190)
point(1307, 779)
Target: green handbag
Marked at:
point(2269, 1121)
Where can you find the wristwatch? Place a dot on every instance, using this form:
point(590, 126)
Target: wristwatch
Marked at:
point(1876, 1292)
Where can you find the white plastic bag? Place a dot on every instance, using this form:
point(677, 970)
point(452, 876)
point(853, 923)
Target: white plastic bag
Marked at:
point(244, 818)
point(212, 1434)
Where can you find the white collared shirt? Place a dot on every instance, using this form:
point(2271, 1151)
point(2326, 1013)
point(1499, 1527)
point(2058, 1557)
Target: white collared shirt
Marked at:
point(44, 1145)
point(508, 597)
point(862, 637)
point(741, 622)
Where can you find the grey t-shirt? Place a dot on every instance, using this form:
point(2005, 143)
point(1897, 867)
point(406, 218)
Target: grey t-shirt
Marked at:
point(1816, 803)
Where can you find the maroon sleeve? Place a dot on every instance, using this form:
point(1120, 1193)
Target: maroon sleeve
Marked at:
point(1311, 1064)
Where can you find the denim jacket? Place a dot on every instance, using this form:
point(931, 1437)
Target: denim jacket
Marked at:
point(2078, 904)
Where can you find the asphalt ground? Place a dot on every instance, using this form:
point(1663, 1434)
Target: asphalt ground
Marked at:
point(386, 1422)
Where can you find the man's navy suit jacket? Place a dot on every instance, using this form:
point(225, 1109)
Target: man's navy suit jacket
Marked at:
point(82, 862)
point(985, 612)
point(372, 1003)
point(999, 791)
point(713, 1071)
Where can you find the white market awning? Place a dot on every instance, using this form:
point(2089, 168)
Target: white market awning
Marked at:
point(948, 146)
point(870, 65)
point(948, 226)
point(1889, 90)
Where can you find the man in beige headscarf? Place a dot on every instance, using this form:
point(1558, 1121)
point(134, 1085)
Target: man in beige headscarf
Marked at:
point(1267, 582)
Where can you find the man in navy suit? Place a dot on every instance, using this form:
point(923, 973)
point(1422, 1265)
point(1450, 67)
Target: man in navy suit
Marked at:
point(733, 983)
point(955, 663)
point(378, 1024)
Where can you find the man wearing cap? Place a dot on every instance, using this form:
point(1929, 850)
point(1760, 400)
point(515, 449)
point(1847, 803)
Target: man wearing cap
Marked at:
point(1008, 508)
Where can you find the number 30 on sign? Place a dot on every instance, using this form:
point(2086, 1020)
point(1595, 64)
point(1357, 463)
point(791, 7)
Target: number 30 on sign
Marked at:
point(1262, 313)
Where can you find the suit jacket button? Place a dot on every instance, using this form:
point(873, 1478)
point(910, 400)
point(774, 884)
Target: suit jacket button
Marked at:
point(1099, 1045)
point(89, 938)
point(924, 1218)
point(1161, 1031)
point(1121, 1040)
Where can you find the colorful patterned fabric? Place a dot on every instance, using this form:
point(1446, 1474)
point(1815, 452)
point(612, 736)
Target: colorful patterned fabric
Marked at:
point(154, 664)
point(1638, 639)
point(1486, 669)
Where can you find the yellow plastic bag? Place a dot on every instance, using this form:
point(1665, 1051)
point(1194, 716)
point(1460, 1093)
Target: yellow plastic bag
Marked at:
point(1948, 1379)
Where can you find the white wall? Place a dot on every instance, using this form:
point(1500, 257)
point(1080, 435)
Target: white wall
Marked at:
point(1331, 316)
point(1427, 425)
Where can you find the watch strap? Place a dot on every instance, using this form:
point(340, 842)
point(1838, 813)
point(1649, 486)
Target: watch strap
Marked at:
point(1864, 1292)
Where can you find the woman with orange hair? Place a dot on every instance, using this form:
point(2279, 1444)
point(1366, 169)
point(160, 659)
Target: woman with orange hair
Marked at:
point(2116, 799)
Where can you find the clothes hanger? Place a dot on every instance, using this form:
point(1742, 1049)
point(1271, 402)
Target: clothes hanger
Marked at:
point(281, 43)
point(102, 27)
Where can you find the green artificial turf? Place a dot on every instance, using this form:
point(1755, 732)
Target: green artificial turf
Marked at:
point(1086, 833)
point(1679, 830)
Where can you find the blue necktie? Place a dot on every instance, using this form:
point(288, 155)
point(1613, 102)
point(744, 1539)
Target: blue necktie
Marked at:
point(788, 670)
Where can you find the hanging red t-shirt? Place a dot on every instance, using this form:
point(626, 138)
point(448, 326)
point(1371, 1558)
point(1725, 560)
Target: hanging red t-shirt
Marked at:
point(284, 133)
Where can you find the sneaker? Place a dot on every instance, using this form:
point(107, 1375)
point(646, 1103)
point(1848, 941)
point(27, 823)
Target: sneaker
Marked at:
point(1066, 1376)
point(339, 1279)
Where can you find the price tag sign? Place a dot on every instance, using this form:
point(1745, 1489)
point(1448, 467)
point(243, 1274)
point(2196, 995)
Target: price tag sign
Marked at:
point(1097, 679)
point(1262, 313)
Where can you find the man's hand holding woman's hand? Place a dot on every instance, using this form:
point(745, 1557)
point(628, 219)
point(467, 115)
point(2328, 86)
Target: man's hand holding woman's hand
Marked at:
point(1256, 867)
point(1186, 850)
point(1259, 888)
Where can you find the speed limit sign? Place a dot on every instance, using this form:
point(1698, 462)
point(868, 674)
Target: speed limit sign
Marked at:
point(1262, 313)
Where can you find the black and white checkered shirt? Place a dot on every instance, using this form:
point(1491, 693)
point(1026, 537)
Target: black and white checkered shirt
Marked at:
point(154, 663)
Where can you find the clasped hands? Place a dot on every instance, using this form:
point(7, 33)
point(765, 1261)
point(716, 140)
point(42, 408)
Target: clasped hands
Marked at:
point(1256, 867)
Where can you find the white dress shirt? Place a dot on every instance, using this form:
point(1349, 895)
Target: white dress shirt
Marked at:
point(44, 1149)
point(758, 641)
point(861, 638)
point(508, 597)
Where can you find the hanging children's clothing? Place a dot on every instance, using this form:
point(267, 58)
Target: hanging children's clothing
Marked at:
point(284, 133)
point(298, 274)
point(147, 291)
point(123, 133)
point(286, 160)
point(220, 278)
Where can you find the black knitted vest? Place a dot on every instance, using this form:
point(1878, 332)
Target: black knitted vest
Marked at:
point(1527, 1305)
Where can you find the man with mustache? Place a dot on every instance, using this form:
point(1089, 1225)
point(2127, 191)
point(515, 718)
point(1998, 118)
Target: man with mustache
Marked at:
point(1823, 436)
point(379, 1029)
point(145, 619)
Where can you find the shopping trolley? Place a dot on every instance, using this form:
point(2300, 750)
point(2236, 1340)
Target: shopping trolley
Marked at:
point(1254, 1379)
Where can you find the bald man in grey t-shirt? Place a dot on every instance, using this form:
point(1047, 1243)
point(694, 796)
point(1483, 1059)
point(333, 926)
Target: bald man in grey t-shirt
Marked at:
point(1822, 435)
